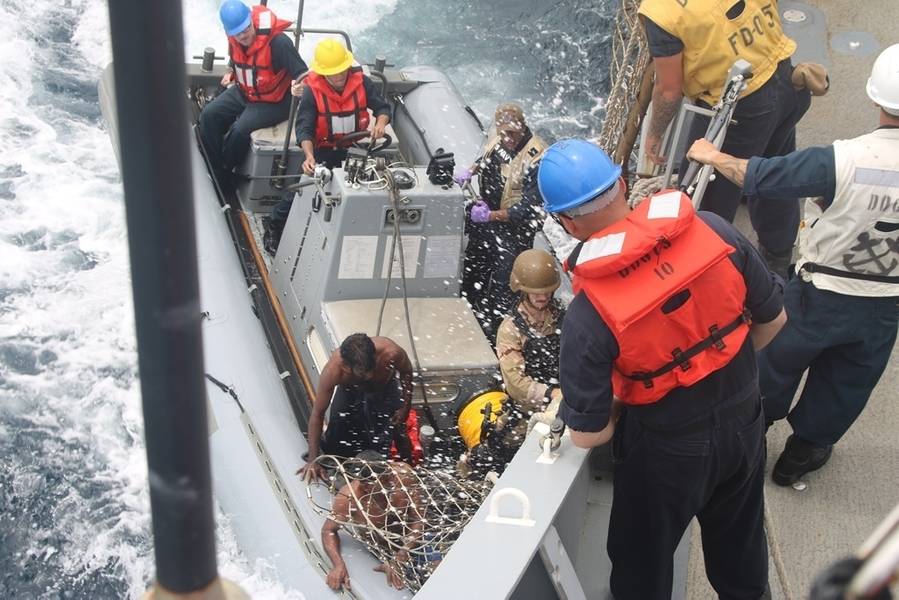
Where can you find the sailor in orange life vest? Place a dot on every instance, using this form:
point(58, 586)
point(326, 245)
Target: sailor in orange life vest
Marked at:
point(659, 349)
point(264, 61)
point(335, 101)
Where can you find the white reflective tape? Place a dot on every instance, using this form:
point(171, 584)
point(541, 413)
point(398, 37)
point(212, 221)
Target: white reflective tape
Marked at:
point(343, 125)
point(664, 206)
point(878, 177)
point(265, 20)
point(608, 245)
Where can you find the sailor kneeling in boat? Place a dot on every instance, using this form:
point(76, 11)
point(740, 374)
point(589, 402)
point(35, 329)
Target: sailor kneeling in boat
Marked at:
point(670, 308)
point(371, 383)
point(264, 61)
point(504, 221)
point(335, 100)
point(841, 302)
point(527, 343)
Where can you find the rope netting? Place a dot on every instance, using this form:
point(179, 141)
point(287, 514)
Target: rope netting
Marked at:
point(630, 59)
point(406, 517)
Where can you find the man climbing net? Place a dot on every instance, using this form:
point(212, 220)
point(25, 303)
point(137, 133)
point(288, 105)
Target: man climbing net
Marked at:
point(408, 518)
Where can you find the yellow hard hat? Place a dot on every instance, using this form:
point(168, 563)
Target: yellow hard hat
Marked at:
point(472, 417)
point(534, 272)
point(331, 58)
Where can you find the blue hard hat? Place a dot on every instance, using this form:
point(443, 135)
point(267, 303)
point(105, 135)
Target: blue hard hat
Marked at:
point(573, 172)
point(235, 16)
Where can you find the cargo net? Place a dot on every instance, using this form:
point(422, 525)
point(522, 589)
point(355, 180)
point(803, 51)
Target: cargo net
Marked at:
point(408, 518)
point(630, 60)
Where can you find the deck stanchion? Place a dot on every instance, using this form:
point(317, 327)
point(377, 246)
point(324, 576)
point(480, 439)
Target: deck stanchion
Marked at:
point(150, 84)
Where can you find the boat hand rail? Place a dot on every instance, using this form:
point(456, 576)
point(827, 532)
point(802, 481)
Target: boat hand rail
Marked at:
point(316, 30)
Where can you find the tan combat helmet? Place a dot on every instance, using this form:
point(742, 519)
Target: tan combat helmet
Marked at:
point(534, 272)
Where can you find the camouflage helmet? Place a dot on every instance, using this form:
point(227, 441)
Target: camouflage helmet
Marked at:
point(509, 116)
point(534, 272)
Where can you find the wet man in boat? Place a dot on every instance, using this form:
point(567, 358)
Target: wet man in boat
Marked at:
point(842, 303)
point(383, 500)
point(693, 45)
point(264, 61)
point(335, 102)
point(671, 307)
point(527, 343)
point(502, 225)
point(372, 377)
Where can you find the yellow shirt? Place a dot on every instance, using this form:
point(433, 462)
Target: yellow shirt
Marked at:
point(712, 42)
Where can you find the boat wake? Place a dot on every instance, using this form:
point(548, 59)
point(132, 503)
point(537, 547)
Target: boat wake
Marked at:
point(74, 509)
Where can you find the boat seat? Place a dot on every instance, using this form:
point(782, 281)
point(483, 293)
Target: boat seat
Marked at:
point(463, 348)
point(273, 137)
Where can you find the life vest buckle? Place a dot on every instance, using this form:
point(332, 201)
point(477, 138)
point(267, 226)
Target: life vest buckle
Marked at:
point(644, 378)
point(682, 361)
point(715, 336)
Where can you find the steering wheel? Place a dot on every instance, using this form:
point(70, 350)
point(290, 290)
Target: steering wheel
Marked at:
point(354, 139)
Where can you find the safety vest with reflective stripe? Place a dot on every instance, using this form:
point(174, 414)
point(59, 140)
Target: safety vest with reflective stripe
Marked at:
point(253, 69)
point(662, 281)
point(339, 113)
point(713, 42)
point(852, 247)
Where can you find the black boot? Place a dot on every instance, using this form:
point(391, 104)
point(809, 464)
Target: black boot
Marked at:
point(798, 458)
point(271, 237)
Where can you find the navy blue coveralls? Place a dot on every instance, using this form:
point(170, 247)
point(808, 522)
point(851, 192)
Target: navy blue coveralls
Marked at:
point(764, 125)
point(699, 451)
point(844, 342)
point(227, 122)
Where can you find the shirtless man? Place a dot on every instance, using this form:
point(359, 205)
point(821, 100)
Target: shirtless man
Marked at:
point(386, 499)
point(373, 379)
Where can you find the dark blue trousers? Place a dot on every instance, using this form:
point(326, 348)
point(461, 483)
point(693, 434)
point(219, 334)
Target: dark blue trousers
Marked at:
point(227, 122)
point(765, 125)
point(331, 158)
point(360, 420)
point(662, 480)
point(844, 342)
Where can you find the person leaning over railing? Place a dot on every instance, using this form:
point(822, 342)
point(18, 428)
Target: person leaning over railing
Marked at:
point(670, 308)
point(842, 305)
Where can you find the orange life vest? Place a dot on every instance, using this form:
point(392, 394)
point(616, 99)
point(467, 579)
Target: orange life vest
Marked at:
point(663, 284)
point(253, 70)
point(339, 113)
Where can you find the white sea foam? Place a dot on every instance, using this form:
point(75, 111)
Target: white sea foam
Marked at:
point(68, 378)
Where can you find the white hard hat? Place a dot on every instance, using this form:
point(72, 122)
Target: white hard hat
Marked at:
point(883, 85)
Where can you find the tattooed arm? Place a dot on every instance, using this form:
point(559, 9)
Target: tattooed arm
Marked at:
point(731, 167)
point(667, 94)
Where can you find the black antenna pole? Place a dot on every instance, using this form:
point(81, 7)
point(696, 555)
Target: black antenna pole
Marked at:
point(150, 86)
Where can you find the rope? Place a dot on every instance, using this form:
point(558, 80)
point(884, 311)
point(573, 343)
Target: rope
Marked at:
point(776, 556)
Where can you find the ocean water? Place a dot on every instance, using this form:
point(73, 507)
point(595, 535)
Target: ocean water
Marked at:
point(74, 508)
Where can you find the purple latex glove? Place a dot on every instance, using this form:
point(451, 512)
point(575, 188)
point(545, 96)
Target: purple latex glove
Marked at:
point(462, 177)
point(480, 212)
